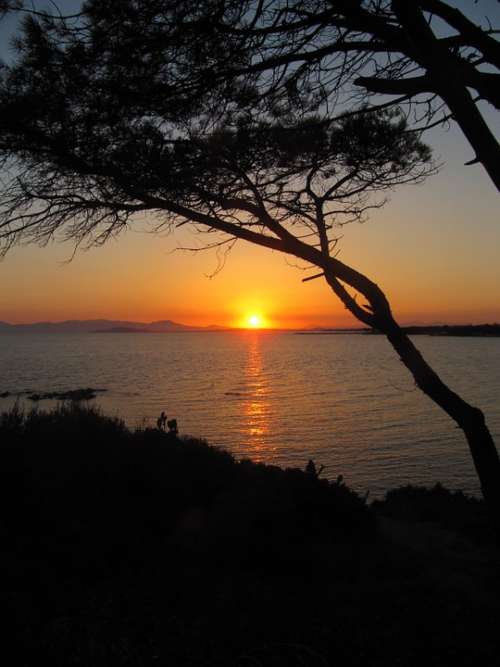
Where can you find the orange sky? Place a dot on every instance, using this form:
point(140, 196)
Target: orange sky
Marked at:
point(433, 249)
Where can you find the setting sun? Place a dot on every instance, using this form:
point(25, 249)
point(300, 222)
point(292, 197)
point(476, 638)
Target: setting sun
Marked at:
point(254, 321)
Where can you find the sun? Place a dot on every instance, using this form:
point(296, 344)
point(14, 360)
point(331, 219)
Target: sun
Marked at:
point(254, 321)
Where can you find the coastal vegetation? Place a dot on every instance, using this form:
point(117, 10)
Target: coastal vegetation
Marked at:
point(462, 330)
point(125, 547)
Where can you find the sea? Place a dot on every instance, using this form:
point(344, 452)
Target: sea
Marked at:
point(343, 400)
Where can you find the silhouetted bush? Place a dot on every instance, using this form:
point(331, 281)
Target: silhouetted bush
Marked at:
point(450, 509)
point(144, 548)
point(84, 489)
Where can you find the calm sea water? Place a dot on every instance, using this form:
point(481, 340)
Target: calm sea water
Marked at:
point(343, 400)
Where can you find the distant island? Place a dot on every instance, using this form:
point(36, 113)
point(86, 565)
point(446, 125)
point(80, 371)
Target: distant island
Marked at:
point(463, 330)
point(323, 331)
point(152, 330)
point(103, 326)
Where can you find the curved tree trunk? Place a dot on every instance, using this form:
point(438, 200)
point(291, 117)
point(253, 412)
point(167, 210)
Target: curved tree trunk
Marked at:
point(469, 418)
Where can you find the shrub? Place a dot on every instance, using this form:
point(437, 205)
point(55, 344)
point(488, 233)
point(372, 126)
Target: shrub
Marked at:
point(452, 509)
point(81, 485)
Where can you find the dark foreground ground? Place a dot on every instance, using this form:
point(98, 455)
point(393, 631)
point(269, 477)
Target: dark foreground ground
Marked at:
point(141, 549)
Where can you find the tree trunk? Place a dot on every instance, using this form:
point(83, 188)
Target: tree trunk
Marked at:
point(469, 418)
point(472, 124)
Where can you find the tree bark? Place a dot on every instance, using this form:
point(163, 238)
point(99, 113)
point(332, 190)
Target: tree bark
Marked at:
point(469, 418)
point(447, 80)
point(472, 124)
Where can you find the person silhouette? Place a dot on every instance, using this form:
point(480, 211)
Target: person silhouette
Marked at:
point(161, 421)
point(312, 471)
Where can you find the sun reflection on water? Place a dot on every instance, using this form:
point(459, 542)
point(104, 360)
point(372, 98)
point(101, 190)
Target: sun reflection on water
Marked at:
point(256, 408)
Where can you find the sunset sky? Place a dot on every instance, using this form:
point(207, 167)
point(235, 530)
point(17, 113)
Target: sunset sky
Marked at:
point(433, 249)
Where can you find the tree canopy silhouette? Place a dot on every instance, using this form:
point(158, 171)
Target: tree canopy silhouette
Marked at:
point(428, 55)
point(130, 125)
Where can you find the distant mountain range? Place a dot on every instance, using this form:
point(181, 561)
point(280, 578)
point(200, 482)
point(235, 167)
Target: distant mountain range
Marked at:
point(168, 326)
point(103, 326)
